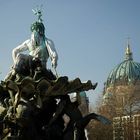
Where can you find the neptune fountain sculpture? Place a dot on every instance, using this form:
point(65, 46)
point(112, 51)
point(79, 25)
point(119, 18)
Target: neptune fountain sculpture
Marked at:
point(34, 102)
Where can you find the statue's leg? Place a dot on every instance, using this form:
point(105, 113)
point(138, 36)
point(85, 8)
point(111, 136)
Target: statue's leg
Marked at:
point(62, 86)
point(57, 87)
point(103, 120)
point(85, 120)
point(77, 86)
point(74, 84)
point(22, 67)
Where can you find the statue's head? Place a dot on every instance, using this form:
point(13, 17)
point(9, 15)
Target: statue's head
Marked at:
point(38, 27)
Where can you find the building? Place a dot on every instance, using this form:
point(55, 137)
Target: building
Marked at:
point(121, 97)
point(126, 127)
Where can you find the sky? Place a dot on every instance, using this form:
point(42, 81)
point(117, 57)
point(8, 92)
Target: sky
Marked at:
point(90, 36)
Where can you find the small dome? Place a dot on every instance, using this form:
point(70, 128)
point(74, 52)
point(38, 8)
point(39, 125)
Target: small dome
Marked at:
point(127, 72)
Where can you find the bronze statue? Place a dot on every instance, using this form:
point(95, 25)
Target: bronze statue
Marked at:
point(29, 95)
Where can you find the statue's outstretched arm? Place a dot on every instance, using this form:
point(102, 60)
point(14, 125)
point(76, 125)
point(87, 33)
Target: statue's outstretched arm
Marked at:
point(21, 48)
point(52, 52)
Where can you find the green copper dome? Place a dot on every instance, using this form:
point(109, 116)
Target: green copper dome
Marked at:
point(126, 72)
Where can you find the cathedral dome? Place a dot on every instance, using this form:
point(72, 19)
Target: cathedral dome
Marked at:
point(126, 72)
